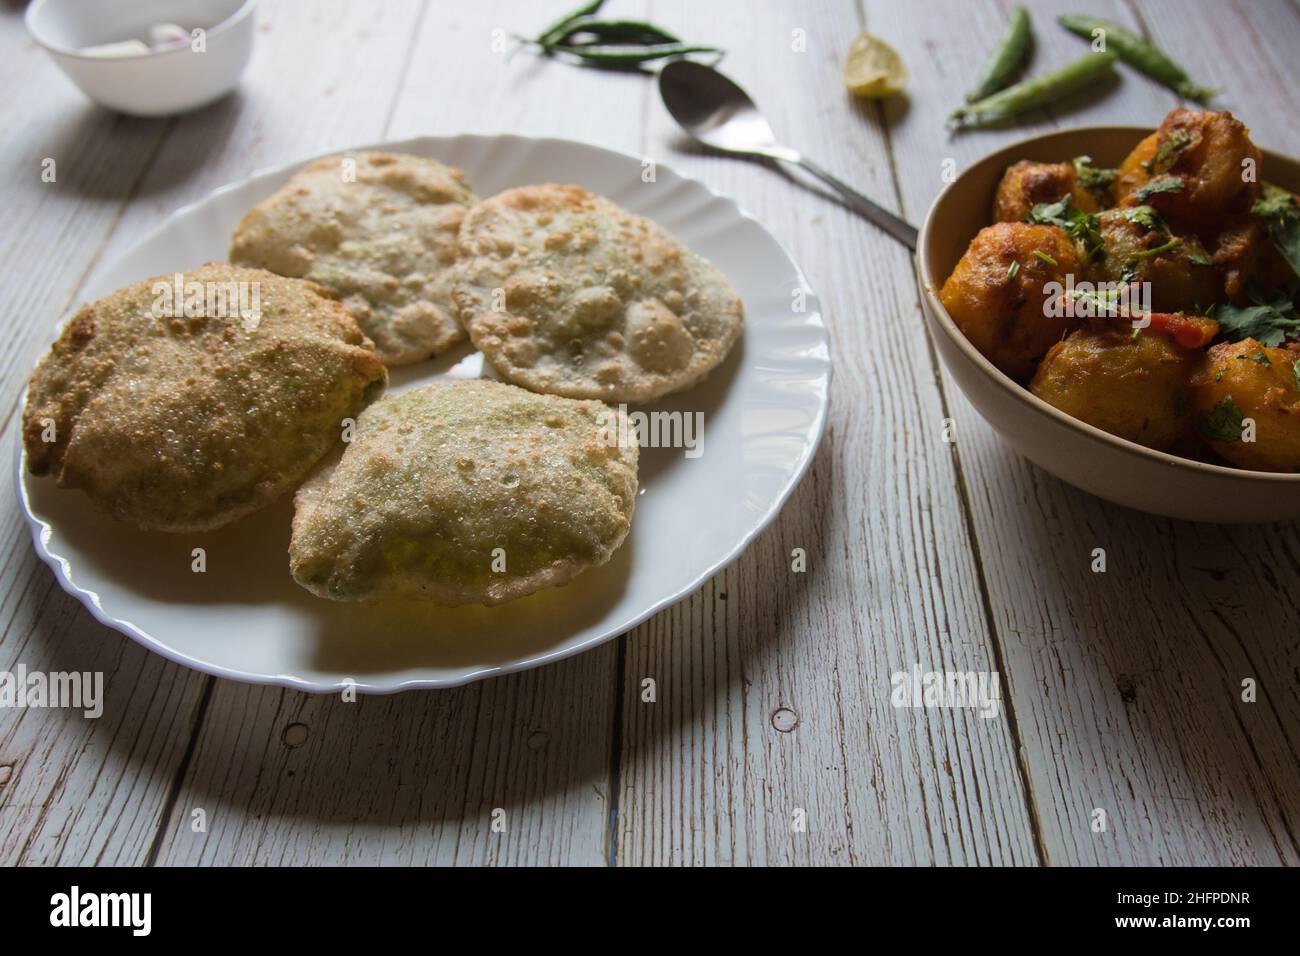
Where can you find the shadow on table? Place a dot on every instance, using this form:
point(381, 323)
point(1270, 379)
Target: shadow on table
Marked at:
point(515, 742)
point(531, 743)
point(102, 154)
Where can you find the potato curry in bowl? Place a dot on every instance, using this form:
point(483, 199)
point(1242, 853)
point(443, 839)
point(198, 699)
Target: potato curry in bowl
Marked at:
point(1155, 301)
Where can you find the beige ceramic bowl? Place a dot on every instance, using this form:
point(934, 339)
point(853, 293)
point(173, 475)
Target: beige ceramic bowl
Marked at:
point(1080, 454)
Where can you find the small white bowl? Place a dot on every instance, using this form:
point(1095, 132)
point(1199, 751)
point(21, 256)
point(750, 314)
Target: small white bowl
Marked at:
point(1084, 456)
point(154, 83)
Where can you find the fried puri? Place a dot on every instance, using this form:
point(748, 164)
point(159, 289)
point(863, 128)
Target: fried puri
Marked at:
point(182, 403)
point(566, 293)
point(379, 231)
point(466, 492)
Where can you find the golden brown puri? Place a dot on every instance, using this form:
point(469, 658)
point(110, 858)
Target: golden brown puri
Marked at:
point(188, 423)
point(466, 492)
point(1240, 381)
point(1205, 153)
point(567, 293)
point(1001, 309)
point(1026, 184)
point(379, 231)
point(1135, 387)
point(1181, 272)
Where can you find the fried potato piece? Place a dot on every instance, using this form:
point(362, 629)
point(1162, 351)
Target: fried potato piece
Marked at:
point(178, 422)
point(1245, 253)
point(1182, 276)
point(1136, 388)
point(382, 242)
point(1206, 153)
point(567, 293)
point(466, 492)
point(1243, 387)
point(1133, 171)
point(1026, 184)
point(1004, 310)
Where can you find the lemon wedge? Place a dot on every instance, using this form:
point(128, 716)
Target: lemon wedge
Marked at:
point(873, 68)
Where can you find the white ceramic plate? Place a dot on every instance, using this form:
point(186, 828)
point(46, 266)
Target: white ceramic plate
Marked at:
point(245, 618)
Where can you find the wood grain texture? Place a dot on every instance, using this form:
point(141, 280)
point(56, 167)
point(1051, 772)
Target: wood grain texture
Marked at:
point(772, 687)
point(1125, 684)
point(72, 790)
point(706, 775)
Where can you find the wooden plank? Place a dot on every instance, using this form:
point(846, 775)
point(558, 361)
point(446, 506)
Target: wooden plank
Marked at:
point(712, 771)
point(72, 790)
point(55, 229)
point(416, 778)
point(285, 778)
point(1126, 683)
point(1252, 62)
point(97, 791)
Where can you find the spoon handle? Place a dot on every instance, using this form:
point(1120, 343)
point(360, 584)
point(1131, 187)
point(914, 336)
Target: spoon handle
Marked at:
point(903, 231)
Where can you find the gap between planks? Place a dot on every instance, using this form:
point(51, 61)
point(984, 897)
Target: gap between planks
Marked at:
point(968, 515)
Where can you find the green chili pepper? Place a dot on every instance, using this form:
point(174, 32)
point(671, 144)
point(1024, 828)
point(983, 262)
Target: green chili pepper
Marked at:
point(1139, 54)
point(556, 29)
point(1006, 58)
point(632, 56)
point(1031, 94)
point(613, 32)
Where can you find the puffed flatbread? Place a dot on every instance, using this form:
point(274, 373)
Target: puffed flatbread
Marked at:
point(379, 231)
point(186, 401)
point(567, 293)
point(466, 492)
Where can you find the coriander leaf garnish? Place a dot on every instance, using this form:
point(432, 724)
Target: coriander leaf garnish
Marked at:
point(1144, 216)
point(1098, 301)
point(1259, 358)
point(1222, 423)
point(1167, 152)
point(1273, 202)
point(1090, 177)
point(1080, 226)
point(1295, 370)
point(1281, 212)
point(1052, 213)
point(1161, 184)
point(1268, 323)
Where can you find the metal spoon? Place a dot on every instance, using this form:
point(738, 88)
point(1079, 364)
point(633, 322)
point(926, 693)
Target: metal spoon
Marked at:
point(718, 113)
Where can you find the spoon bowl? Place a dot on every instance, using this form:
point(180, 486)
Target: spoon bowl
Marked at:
point(715, 111)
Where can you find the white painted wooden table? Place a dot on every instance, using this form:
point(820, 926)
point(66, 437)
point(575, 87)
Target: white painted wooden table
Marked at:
point(1122, 690)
